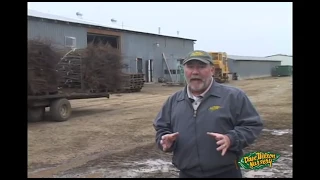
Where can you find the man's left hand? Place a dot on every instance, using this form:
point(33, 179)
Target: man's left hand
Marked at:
point(223, 142)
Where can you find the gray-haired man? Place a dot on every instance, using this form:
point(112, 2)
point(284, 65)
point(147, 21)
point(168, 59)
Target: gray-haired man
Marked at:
point(206, 125)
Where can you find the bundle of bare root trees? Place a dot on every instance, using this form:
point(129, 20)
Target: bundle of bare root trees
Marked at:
point(102, 67)
point(42, 61)
point(96, 68)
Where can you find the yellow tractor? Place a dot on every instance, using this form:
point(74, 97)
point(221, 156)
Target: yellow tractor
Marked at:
point(220, 63)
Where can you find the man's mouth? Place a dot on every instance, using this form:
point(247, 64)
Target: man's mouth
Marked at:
point(196, 79)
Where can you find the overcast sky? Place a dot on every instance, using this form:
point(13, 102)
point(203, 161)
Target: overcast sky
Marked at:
point(250, 29)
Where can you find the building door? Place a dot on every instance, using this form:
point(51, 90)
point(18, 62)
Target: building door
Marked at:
point(139, 65)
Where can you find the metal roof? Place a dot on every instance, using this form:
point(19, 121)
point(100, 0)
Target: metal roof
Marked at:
point(38, 14)
point(250, 58)
point(280, 55)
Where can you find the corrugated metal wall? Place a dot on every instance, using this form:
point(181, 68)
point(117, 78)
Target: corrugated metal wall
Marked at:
point(133, 45)
point(136, 45)
point(57, 32)
point(251, 69)
point(285, 60)
point(231, 65)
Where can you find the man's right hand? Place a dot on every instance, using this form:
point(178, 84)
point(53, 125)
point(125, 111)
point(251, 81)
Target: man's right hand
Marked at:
point(167, 140)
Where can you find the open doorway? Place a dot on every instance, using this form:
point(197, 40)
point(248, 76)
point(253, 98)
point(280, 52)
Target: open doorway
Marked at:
point(180, 61)
point(95, 38)
point(139, 65)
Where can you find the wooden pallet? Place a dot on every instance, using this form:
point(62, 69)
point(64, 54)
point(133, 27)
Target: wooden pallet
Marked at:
point(131, 83)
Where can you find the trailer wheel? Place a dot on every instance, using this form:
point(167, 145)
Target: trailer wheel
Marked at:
point(36, 114)
point(60, 110)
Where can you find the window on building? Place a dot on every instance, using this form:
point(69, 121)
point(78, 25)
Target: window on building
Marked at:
point(70, 41)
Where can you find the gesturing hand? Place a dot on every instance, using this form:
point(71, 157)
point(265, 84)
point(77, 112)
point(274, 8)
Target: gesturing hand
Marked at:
point(223, 142)
point(167, 140)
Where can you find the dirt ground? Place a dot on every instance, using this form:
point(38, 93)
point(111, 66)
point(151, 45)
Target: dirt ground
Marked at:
point(115, 138)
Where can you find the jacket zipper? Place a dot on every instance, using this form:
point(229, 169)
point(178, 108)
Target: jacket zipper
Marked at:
point(195, 127)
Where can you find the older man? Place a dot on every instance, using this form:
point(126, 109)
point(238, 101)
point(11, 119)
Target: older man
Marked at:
point(206, 125)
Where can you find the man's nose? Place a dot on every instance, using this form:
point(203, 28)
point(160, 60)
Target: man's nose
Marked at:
point(195, 70)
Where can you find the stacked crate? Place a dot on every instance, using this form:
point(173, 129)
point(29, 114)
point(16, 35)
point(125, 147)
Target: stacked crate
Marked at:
point(132, 82)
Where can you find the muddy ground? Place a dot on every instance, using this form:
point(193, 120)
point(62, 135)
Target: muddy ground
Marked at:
point(115, 138)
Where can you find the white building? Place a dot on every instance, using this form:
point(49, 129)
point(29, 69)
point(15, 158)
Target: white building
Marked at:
point(285, 59)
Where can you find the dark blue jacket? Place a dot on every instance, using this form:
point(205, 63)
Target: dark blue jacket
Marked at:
point(225, 110)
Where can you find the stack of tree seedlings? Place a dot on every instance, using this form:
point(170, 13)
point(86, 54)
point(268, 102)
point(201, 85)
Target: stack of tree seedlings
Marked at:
point(96, 68)
point(42, 61)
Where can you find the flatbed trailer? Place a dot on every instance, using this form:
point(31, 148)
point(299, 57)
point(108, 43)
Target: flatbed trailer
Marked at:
point(59, 104)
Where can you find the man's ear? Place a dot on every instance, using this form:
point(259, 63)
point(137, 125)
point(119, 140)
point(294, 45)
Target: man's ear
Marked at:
point(212, 70)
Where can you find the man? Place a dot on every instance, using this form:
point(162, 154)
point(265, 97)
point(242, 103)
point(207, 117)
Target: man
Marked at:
point(206, 125)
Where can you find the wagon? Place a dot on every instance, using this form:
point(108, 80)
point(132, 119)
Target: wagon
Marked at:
point(59, 104)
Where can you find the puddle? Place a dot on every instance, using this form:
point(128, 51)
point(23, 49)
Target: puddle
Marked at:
point(153, 165)
point(254, 174)
point(278, 132)
point(41, 169)
point(131, 169)
point(148, 166)
point(281, 169)
point(164, 169)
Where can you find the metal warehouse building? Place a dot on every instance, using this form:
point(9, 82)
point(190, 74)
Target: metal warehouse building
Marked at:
point(251, 67)
point(137, 48)
point(285, 59)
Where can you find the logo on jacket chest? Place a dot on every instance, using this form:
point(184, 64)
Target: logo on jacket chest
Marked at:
point(214, 108)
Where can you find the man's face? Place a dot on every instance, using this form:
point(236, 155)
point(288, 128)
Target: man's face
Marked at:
point(198, 75)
